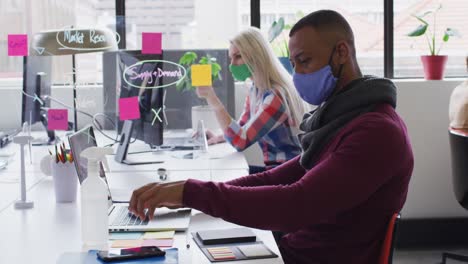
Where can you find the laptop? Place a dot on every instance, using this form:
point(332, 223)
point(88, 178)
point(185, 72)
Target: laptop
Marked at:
point(120, 219)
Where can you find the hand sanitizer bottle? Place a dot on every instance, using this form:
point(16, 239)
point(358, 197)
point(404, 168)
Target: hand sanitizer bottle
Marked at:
point(94, 202)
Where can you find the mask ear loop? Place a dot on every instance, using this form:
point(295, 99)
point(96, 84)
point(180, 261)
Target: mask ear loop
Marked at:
point(340, 70)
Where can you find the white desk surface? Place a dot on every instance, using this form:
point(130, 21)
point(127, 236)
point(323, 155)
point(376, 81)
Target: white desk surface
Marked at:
point(219, 157)
point(44, 233)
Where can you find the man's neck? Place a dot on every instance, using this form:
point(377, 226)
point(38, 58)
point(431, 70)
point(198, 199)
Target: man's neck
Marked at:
point(348, 78)
point(350, 72)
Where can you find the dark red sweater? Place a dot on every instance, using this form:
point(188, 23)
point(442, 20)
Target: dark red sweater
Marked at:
point(338, 211)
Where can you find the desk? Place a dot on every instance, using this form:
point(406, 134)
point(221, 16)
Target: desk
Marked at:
point(44, 233)
point(219, 157)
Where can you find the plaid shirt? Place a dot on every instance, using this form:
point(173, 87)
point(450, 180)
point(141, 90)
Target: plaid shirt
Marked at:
point(264, 120)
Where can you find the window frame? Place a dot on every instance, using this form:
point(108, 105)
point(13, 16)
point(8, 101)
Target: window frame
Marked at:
point(255, 10)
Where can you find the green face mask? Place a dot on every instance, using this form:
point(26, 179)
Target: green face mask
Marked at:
point(240, 72)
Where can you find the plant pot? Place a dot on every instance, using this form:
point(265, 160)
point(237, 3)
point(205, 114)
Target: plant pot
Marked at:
point(205, 113)
point(286, 64)
point(434, 66)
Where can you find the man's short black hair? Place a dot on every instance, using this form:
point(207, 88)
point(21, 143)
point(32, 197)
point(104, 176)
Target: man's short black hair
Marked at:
point(326, 21)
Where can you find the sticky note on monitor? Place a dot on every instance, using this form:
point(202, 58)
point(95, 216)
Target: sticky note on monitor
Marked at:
point(129, 108)
point(17, 45)
point(201, 75)
point(151, 43)
point(57, 119)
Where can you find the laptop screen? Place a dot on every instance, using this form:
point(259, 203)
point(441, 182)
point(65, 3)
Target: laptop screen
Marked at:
point(80, 141)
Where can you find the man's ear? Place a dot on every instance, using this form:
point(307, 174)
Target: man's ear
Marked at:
point(343, 52)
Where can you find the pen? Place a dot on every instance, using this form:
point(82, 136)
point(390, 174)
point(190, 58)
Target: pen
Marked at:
point(63, 154)
point(56, 155)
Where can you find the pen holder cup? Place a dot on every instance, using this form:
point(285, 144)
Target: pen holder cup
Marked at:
point(65, 181)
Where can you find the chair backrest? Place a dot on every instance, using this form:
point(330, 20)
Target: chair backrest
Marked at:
point(386, 256)
point(459, 159)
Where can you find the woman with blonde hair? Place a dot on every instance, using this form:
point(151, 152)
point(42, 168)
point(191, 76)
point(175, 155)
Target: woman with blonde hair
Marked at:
point(272, 109)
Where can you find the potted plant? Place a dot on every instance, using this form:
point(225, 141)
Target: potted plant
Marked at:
point(433, 64)
point(278, 38)
point(280, 47)
point(200, 112)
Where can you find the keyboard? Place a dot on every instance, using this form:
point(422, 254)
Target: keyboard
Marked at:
point(125, 218)
point(177, 141)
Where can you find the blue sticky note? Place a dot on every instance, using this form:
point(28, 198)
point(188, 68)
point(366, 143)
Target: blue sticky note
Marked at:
point(125, 235)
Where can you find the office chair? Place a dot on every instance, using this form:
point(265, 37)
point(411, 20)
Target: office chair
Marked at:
point(459, 157)
point(386, 256)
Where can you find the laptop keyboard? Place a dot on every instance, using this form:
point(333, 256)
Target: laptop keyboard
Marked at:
point(124, 218)
point(177, 141)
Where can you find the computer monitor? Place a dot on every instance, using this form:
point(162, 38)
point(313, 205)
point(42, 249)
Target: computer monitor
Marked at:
point(137, 73)
point(178, 104)
point(36, 84)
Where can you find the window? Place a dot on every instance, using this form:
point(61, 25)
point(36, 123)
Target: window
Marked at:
point(30, 17)
point(209, 24)
point(186, 24)
point(407, 50)
point(364, 16)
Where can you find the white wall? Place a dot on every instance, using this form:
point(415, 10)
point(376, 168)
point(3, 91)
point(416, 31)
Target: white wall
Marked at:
point(424, 107)
point(422, 104)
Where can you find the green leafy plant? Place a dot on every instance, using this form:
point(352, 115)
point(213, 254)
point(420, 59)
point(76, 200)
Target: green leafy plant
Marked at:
point(280, 47)
point(429, 31)
point(278, 38)
point(187, 60)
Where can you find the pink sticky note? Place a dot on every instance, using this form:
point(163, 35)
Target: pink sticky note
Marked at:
point(57, 119)
point(129, 108)
point(18, 45)
point(157, 243)
point(151, 43)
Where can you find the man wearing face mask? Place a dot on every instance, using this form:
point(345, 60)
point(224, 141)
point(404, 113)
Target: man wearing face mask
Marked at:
point(332, 203)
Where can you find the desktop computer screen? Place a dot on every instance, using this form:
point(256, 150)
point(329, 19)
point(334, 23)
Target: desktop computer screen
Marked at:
point(178, 104)
point(36, 84)
point(139, 78)
point(153, 78)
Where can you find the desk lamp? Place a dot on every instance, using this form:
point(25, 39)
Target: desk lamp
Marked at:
point(71, 41)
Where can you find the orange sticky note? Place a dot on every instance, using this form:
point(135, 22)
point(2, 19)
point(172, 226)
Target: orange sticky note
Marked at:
point(126, 243)
point(201, 75)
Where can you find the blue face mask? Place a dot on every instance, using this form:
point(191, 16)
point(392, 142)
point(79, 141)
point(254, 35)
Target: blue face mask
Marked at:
point(316, 87)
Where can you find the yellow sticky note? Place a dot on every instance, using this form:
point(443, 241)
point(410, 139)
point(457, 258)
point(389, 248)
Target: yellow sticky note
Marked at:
point(201, 75)
point(126, 243)
point(159, 235)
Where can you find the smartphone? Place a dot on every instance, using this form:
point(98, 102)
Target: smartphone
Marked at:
point(131, 253)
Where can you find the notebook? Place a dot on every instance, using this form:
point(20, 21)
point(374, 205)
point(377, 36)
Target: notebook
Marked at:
point(226, 236)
